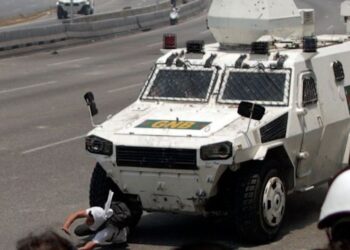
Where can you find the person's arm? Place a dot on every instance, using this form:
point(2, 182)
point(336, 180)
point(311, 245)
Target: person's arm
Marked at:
point(71, 218)
point(88, 246)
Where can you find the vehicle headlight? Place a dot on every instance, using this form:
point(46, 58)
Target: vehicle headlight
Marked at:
point(97, 145)
point(217, 151)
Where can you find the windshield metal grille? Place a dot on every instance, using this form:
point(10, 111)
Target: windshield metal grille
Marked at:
point(265, 87)
point(180, 84)
point(146, 157)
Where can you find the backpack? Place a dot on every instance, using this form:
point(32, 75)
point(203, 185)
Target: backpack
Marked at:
point(121, 214)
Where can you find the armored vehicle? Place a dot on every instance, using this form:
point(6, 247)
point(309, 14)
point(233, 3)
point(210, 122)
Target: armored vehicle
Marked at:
point(68, 7)
point(232, 128)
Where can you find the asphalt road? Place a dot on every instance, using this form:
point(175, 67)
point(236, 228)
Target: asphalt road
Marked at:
point(45, 171)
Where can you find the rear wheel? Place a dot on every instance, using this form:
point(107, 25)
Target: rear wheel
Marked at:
point(259, 203)
point(173, 21)
point(87, 10)
point(60, 12)
point(100, 184)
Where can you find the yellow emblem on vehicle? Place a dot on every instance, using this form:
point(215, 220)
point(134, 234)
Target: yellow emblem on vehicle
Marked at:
point(171, 124)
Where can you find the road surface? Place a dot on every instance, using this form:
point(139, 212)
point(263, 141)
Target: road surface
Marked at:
point(45, 170)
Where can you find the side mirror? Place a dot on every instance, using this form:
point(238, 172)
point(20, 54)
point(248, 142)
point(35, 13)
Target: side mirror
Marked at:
point(90, 101)
point(251, 110)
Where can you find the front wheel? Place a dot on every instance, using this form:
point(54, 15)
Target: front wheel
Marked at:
point(100, 184)
point(260, 202)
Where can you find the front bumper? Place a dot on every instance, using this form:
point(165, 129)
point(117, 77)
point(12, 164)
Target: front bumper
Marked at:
point(77, 8)
point(171, 192)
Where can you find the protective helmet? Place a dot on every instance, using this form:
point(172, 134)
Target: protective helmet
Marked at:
point(100, 216)
point(337, 203)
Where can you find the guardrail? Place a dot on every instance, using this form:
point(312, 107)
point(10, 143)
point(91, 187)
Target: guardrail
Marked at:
point(98, 25)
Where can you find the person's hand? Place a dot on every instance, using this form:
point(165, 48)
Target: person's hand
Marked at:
point(64, 229)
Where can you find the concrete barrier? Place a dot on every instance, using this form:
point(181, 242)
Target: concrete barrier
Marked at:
point(123, 13)
point(29, 37)
point(98, 25)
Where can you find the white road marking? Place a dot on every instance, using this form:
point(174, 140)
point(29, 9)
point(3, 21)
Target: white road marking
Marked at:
point(125, 88)
point(53, 144)
point(204, 32)
point(5, 91)
point(330, 27)
point(145, 63)
point(159, 44)
point(70, 61)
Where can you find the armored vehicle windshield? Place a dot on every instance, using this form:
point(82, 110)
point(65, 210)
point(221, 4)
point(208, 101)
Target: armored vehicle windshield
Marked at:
point(263, 86)
point(178, 84)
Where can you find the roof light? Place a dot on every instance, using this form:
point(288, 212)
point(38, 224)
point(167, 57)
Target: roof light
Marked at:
point(261, 48)
point(309, 44)
point(195, 46)
point(169, 41)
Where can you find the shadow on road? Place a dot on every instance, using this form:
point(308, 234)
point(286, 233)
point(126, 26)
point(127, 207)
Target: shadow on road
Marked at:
point(176, 230)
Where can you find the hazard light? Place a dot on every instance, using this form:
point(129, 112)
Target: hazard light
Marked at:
point(169, 41)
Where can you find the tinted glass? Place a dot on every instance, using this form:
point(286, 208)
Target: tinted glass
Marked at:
point(309, 91)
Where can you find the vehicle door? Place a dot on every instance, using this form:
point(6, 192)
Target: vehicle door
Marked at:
point(311, 123)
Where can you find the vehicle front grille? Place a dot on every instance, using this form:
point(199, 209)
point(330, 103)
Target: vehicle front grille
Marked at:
point(74, 4)
point(146, 157)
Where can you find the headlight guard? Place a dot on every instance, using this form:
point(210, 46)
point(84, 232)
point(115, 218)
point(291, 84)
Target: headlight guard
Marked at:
point(97, 145)
point(217, 151)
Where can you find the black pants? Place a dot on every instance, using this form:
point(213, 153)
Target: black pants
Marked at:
point(83, 230)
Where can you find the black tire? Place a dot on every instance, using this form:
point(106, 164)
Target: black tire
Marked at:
point(257, 216)
point(100, 185)
point(60, 13)
point(86, 10)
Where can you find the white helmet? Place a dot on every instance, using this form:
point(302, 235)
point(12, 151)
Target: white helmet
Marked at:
point(99, 215)
point(337, 202)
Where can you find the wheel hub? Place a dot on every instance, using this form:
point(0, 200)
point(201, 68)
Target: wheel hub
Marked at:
point(274, 201)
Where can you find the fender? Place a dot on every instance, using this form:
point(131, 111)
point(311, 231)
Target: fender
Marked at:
point(263, 149)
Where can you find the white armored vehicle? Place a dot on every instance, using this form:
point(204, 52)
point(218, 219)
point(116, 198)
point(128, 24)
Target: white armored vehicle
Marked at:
point(232, 128)
point(65, 8)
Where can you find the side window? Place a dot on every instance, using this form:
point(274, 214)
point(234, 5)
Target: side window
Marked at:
point(338, 71)
point(309, 91)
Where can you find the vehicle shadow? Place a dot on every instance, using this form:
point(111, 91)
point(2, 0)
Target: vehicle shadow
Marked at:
point(176, 230)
